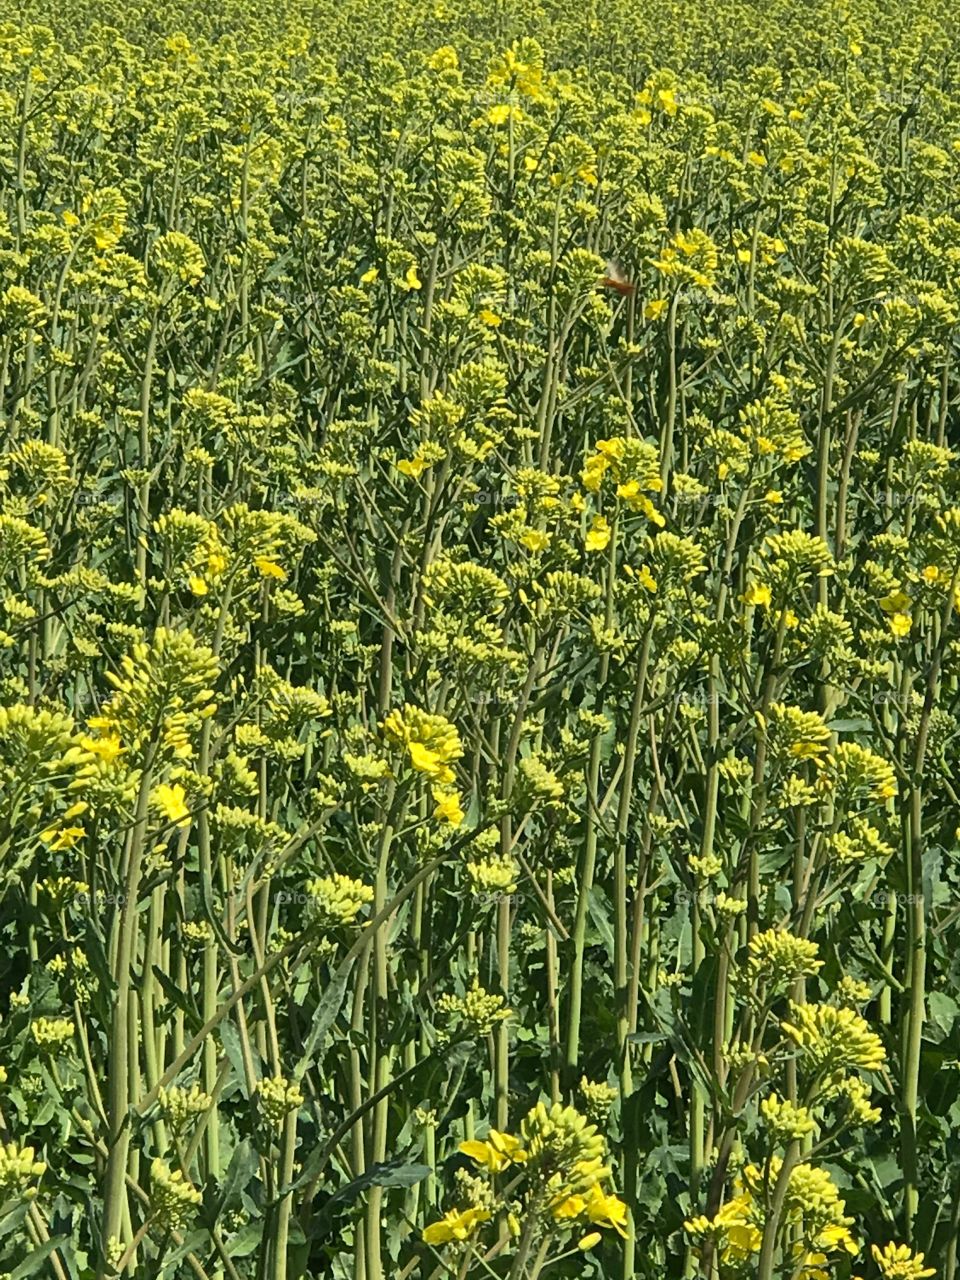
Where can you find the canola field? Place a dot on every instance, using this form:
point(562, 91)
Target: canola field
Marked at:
point(479, 640)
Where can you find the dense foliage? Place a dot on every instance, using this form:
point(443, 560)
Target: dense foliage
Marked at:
point(479, 653)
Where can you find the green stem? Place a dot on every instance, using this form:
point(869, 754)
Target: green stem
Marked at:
point(114, 1187)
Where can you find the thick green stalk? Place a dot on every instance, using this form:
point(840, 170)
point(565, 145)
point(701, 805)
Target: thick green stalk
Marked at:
point(768, 1245)
point(589, 863)
point(553, 1010)
point(380, 1061)
point(21, 183)
point(288, 1148)
point(144, 460)
point(118, 1105)
point(916, 966)
point(620, 969)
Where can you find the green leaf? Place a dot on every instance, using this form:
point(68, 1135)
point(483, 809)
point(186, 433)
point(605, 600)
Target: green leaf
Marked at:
point(943, 1011)
point(196, 1240)
point(298, 1251)
point(11, 1220)
point(245, 1241)
point(328, 1006)
point(185, 1003)
point(230, 1039)
point(600, 917)
point(35, 1260)
point(240, 1173)
point(393, 1173)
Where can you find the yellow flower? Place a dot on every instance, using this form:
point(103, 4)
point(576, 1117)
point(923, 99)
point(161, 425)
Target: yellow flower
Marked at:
point(445, 58)
point(171, 801)
point(448, 807)
point(431, 742)
point(458, 1224)
point(498, 1152)
point(369, 277)
point(592, 473)
point(570, 1207)
point(62, 837)
point(836, 1237)
point(269, 568)
point(773, 496)
point(197, 584)
point(655, 308)
point(489, 318)
point(535, 540)
point(900, 624)
point(757, 593)
point(734, 1224)
point(106, 748)
point(411, 280)
point(743, 1238)
point(599, 534)
point(831, 1039)
point(640, 502)
point(606, 1211)
point(896, 1262)
point(426, 760)
point(810, 1265)
point(499, 114)
point(413, 467)
point(931, 573)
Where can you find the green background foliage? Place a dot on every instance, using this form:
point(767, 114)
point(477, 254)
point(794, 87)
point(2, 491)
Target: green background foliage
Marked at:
point(480, 536)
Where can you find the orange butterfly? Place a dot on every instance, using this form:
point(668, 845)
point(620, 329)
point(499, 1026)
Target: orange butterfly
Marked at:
point(615, 279)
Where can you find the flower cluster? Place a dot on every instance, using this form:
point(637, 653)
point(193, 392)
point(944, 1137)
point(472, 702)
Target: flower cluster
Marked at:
point(278, 1098)
point(555, 1169)
point(173, 1201)
point(337, 900)
point(480, 543)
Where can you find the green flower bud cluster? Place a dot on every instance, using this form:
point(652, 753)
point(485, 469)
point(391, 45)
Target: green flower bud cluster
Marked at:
point(180, 1105)
point(19, 1171)
point(336, 899)
point(598, 1097)
point(51, 1034)
point(477, 1010)
point(173, 1200)
point(278, 1098)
